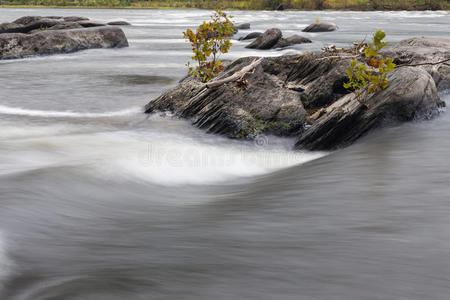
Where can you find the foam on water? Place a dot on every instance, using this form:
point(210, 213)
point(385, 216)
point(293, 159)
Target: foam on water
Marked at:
point(6, 110)
point(183, 155)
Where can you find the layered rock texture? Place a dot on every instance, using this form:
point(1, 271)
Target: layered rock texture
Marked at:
point(303, 96)
point(35, 35)
point(424, 53)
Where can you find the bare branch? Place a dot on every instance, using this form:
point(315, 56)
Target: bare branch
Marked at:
point(238, 75)
point(426, 64)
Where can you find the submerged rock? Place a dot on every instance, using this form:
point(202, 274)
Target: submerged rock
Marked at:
point(302, 96)
point(88, 24)
point(320, 27)
point(124, 23)
point(17, 45)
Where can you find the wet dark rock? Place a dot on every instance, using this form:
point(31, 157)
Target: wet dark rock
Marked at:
point(250, 36)
point(292, 40)
point(123, 23)
point(320, 27)
point(267, 40)
point(88, 24)
point(280, 7)
point(17, 45)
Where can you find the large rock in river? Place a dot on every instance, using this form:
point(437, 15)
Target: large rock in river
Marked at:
point(236, 109)
point(300, 95)
point(17, 45)
point(29, 24)
point(273, 38)
point(411, 95)
point(267, 40)
point(424, 53)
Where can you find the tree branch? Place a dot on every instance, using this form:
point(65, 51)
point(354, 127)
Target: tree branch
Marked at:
point(237, 75)
point(426, 64)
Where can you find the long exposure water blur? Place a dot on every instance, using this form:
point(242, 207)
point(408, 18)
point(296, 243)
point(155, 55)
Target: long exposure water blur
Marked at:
point(99, 201)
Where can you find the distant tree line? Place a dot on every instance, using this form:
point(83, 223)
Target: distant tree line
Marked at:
point(245, 4)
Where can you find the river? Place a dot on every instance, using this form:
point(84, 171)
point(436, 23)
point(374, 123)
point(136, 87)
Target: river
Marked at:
point(101, 202)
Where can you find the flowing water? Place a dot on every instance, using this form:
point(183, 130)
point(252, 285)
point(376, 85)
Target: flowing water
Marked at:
point(99, 201)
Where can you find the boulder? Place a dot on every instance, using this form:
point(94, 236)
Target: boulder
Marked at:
point(303, 96)
point(123, 23)
point(250, 36)
point(31, 24)
point(17, 45)
point(420, 51)
point(267, 40)
point(411, 95)
point(280, 7)
point(320, 27)
point(292, 40)
point(243, 26)
point(236, 110)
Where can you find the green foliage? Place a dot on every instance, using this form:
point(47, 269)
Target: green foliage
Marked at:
point(370, 77)
point(209, 41)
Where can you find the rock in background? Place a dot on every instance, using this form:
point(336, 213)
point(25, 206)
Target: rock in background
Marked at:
point(35, 35)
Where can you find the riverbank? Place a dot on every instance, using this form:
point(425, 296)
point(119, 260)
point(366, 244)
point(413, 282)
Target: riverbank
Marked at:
point(365, 5)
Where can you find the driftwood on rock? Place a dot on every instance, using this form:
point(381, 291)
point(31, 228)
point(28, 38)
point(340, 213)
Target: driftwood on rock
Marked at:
point(236, 76)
